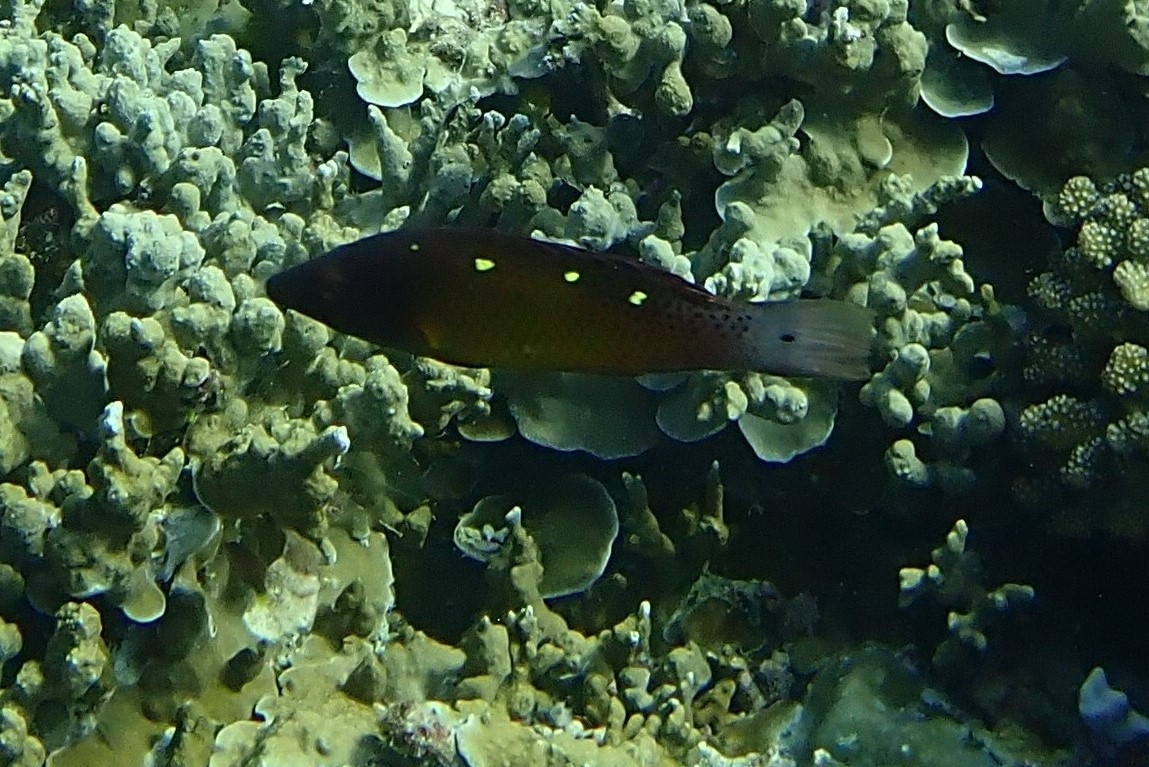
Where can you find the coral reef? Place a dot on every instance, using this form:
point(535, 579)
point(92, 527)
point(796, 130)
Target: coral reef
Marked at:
point(231, 536)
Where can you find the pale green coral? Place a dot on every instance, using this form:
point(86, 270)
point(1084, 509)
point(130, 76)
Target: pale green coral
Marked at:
point(953, 579)
point(291, 455)
point(1132, 279)
point(16, 273)
point(788, 421)
point(96, 531)
point(700, 406)
point(903, 463)
point(141, 132)
point(26, 520)
point(639, 45)
point(458, 51)
point(445, 393)
point(939, 333)
point(1127, 371)
point(26, 430)
point(74, 679)
point(789, 191)
point(359, 405)
point(900, 386)
point(62, 361)
point(978, 51)
point(572, 520)
point(160, 385)
point(388, 75)
point(289, 601)
point(544, 408)
point(1062, 421)
point(17, 747)
point(224, 668)
point(318, 720)
point(981, 422)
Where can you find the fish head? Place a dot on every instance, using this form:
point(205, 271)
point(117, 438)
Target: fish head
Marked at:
point(316, 288)
point(361, 289)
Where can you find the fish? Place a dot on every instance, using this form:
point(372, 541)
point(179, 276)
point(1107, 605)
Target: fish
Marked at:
point(487, 298)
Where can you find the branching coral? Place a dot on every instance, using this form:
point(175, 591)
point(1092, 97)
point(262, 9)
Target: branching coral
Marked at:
point(941, 336)
point(104, 532)
point(954, 579)
point(1087, 363)
point(291, 457)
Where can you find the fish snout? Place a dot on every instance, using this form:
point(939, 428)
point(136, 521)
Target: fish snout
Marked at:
point(307, 288)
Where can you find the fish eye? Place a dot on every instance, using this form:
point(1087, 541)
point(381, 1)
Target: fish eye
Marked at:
point(787, 338)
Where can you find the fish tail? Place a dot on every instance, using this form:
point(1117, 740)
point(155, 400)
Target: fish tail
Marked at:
point(815, 338)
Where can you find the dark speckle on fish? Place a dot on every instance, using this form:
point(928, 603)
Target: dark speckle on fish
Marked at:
point(483, 298)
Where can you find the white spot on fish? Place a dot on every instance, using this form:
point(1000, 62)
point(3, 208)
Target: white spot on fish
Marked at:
point(484, 264)
point(571, 276)
point(637, 297)
point(414, 247)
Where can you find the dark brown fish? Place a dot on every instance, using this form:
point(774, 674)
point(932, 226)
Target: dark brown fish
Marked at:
point(484, 298)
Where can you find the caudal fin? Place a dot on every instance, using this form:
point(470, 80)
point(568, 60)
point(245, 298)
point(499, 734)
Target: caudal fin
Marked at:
point(816, 338)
